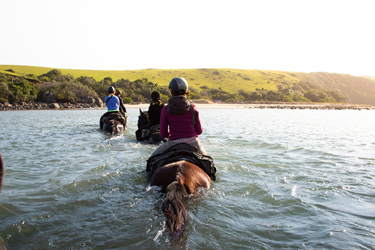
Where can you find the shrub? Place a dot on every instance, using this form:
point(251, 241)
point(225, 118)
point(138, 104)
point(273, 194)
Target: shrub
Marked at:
point(5, 93)
point(127, 100)
point(56, 75)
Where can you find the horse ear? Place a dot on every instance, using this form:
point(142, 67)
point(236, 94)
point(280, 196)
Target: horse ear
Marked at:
point(140, 111)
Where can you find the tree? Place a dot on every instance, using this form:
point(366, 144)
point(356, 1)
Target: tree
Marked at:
point(86, 80)
point(56, 75)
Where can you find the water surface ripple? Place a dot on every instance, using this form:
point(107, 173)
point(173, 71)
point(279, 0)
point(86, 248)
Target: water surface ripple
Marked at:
point(287, 179)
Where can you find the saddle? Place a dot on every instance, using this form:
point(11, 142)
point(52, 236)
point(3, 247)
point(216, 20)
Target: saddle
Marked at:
point(179, 152)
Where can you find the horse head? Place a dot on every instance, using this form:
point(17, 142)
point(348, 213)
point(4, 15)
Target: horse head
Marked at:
point(142, 118)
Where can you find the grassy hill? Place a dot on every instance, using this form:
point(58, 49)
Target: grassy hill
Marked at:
point(230, 80)
point(359, 90)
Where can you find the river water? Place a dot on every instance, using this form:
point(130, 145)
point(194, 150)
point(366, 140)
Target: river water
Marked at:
point(286, 179)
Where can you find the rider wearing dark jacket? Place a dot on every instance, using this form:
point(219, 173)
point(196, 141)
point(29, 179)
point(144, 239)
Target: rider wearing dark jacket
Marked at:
point(155, 108)
point(121, 107)
point(153, 112)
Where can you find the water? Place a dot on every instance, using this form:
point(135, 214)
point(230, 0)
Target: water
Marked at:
point(286, 179)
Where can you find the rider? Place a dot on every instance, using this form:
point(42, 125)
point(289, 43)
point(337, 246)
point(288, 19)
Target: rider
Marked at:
point(154, 111)
point(113, 103)
point(122, 107)
point(182, 118)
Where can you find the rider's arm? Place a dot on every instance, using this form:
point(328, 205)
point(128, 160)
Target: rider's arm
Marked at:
point(164, 123)
point(197, 126)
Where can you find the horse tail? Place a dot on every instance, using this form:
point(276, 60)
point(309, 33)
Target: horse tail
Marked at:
point(1, 172)
point(173, 207)
point(114, 127)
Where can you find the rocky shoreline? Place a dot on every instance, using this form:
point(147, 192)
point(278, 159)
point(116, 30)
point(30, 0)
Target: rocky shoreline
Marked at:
point(314, 106)
point(62, 106)
point(44, 106)
point(319, 107)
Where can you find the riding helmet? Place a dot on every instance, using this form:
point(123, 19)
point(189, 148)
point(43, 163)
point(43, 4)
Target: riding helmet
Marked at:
point(155, 96)
point(111, 90)
point(178, 86)
point(118, 92)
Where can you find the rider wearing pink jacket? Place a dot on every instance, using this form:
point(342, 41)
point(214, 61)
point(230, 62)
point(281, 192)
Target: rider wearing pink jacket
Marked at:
point(181, 117)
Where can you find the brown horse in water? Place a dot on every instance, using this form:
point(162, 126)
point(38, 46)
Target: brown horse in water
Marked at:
point(178, 179)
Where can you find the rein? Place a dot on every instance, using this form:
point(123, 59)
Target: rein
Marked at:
point(108, 100)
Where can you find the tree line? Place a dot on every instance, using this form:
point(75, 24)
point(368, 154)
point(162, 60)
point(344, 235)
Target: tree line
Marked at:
point(66, 88)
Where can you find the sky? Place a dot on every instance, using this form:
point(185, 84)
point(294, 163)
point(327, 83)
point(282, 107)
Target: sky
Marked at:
point(334, 36)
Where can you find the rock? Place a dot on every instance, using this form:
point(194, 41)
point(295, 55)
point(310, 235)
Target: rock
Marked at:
point(98, 102)
point(90, 100)
point(54, 106)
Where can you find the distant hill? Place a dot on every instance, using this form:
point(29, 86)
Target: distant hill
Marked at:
point(360, 90)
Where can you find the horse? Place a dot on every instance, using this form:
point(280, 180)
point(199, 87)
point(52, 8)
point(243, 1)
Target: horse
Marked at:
point(180, 170)
point(150, 135)
point(113, 127)
point(178, 179)
point(113, 123)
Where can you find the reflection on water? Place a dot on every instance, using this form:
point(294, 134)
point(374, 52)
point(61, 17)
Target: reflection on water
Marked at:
point(298, 179)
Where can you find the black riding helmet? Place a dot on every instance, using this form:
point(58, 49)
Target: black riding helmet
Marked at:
point(155, 96)
point(111, 90)
point(118, 92)
point(178, 86)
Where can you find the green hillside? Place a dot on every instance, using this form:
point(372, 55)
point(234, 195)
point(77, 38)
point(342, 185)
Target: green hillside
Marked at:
point(230, 80)
point(355, 89)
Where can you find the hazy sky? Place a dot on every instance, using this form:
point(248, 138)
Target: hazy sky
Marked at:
point(293, 35)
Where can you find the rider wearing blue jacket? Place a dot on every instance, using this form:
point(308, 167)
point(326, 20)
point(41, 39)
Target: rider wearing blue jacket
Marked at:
point(113, 106)
point(112, 102)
